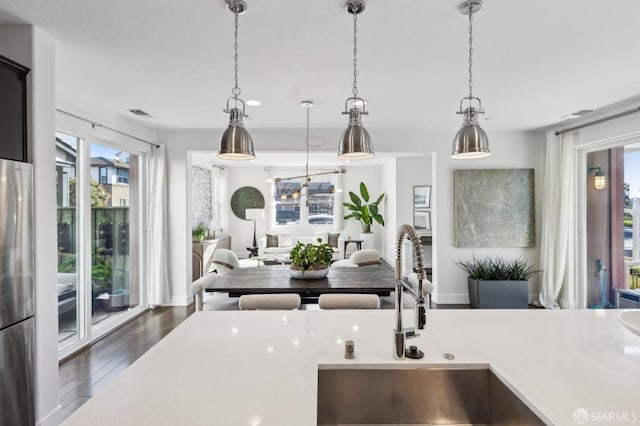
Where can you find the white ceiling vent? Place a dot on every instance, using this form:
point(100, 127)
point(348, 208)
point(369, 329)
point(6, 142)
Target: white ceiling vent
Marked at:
point(140, 113)
point(579, 113)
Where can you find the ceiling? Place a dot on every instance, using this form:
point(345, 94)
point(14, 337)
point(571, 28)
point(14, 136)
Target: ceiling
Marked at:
point(534, 61)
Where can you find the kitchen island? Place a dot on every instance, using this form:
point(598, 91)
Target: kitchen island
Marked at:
point(261, 367)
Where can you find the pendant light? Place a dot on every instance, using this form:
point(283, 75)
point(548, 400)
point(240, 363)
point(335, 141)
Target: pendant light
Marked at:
point(236, 142)
point(304, 188)
point(355, 143)
point(470, 141)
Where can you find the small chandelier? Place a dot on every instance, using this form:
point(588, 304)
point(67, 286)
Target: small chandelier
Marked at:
point(470, 141)
point(304, 187)
point(236, 142)
point(355, 142)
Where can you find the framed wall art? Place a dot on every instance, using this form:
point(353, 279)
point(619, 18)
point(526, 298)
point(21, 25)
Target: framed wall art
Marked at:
point(421, 197)
point(422, 220)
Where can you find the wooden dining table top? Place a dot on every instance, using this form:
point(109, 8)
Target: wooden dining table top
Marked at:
point(378, 280)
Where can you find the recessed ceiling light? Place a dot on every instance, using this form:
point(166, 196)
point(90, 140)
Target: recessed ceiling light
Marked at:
point(253, 102)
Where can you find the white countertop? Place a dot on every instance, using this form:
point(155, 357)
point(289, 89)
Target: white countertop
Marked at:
point(260, 368)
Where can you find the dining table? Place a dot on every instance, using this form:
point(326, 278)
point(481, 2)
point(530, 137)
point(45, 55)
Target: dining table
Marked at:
point(378, 280)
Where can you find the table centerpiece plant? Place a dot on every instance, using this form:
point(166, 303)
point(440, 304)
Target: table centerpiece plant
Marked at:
point(310, 261)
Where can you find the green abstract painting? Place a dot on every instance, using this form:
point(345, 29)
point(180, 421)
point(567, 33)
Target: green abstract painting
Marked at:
point(494, 208)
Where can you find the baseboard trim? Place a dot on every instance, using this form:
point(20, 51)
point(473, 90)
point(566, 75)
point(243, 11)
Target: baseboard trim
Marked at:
point(450, 298)
point(183, 300)
point(51, 419)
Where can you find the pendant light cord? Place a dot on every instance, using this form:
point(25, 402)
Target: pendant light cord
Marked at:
point(307, 166)
point(355, 54)
point(236, 90)
point(470, 51)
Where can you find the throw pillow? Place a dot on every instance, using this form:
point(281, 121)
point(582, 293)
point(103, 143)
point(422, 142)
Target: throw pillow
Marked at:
point(332, 239)
point(285, 240)
point(272, 240)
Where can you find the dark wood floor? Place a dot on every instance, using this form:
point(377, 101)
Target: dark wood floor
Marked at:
point(81, 376)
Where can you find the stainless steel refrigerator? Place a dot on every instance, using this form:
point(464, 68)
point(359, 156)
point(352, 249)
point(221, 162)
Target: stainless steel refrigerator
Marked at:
point(16, 294)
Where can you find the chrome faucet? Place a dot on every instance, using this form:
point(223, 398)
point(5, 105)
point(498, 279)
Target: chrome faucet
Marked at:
point(401, 334)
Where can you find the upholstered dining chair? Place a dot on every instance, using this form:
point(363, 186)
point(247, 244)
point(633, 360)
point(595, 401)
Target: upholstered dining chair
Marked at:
point(359, 258)
point(211, 301)
point(224, 260)
point(348, 301)
point(270, 301)
point(388, 302)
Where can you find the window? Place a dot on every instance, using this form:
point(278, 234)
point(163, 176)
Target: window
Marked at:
point(103, 175)
point(123, 176)
point(311, 205)
point(321, 201)
point(287, 197)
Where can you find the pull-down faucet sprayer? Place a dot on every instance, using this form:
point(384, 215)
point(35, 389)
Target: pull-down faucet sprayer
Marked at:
point(400, 334)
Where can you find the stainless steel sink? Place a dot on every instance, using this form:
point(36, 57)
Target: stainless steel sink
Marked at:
point(418, 396)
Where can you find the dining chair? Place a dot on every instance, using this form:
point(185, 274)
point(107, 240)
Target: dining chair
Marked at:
point(348, 301)
point(359, 258)
point(388, 302)
point(270, 301)
point(225, 261)
point(211, 301)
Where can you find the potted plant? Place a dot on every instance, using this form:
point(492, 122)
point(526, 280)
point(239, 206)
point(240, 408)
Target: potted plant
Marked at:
point(199, 233)
point(364, 212)
point(310, 261)
point(497, 283)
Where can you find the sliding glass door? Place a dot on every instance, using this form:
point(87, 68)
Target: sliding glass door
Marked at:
point(100, 222)
point(612, 223)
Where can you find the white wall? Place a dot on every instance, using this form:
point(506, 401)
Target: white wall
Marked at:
point(508, 150)
point(35, 49)
point(390, 187)
point(179, 201)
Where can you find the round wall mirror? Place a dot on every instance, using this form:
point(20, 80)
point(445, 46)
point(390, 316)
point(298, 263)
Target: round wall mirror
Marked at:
point(245, 198)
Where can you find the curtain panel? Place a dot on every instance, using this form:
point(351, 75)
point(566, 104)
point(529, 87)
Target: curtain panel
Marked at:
point(558, 258)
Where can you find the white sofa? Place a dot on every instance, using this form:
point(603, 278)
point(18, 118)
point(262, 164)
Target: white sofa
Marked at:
point(287, 241)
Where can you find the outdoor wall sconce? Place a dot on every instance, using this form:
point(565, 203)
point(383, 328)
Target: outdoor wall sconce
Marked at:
point(600, 180)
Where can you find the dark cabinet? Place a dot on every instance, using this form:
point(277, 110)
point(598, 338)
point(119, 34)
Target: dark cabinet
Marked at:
point(13, 110)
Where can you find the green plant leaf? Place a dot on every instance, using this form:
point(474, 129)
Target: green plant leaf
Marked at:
point(379, 200)
point(364, 192)
point(497, 268)
point(355, 199)
point(365, 213)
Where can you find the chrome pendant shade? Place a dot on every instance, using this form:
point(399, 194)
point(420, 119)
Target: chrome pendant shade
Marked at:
point(355, 142)
point(471, 141)
point(236, 142)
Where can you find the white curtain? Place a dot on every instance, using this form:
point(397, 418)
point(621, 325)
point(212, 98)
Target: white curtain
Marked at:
point(558, 287)
point(158, 281)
